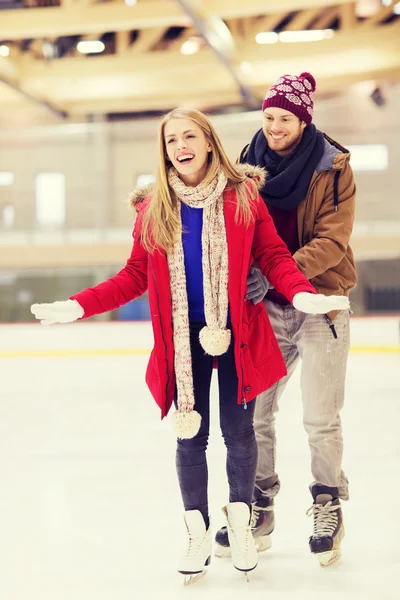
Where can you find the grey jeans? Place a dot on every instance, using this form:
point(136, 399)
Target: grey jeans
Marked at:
point(323, 373)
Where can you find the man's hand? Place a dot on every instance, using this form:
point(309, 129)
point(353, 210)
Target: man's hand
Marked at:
point(257, 285)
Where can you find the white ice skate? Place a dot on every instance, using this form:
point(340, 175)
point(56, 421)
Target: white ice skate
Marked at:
point(241, 541)
point(198, 554)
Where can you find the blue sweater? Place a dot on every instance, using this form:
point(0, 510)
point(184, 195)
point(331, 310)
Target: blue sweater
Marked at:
point(192, 224)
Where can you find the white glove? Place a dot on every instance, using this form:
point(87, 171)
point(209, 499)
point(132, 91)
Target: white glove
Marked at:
point(64, 311)
point(318, 304)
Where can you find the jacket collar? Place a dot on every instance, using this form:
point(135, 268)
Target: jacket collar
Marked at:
point(334, 156)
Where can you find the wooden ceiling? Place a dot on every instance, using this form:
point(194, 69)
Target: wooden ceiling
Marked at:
point(142, 67)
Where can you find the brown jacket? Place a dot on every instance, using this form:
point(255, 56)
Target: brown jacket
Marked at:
point(325, 222)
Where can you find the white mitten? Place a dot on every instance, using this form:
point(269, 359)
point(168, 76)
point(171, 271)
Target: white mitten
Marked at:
point(318, 304)
point(64, 311)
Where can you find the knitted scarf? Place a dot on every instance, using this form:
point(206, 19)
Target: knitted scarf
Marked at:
point(214, 338)
point(289, 177)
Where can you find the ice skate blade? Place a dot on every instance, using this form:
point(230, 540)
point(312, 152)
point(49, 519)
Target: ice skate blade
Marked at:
point(246, 575)
point(246, 571)
point(192, 579)
point(328, 558)
point(262, 543)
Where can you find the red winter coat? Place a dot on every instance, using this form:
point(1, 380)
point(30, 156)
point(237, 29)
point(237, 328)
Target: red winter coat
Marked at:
point(259, 362)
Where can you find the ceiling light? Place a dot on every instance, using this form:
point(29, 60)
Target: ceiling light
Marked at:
point(4, 51)
point(396, 9)
point(367, 8)
point(267, 37)
point(130, 2)
point(6, 178)
point(90, 46)
point(191, 46)
point(309, 35)
point(246, 67)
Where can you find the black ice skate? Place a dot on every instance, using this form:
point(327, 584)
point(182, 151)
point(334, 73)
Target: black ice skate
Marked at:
point(328, 524)
point(262, 525)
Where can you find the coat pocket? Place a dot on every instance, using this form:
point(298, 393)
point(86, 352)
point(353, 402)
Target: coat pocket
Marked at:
point(153, 378)
point(260, 337)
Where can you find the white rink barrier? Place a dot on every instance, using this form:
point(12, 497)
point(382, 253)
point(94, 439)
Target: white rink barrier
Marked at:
point(368, 335)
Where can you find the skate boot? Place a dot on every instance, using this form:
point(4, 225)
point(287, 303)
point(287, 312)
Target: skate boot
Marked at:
point(262, 525)
point(198, 553)
point(328, 524)
point(243, 548)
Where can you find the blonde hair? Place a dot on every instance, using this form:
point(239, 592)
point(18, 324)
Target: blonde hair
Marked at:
point(161, 223)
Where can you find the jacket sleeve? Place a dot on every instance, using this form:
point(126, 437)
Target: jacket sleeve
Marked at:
point(332, 229)
point(128, 284)
point(274, 258)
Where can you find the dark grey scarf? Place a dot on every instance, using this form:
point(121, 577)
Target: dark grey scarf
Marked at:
point(288, 178)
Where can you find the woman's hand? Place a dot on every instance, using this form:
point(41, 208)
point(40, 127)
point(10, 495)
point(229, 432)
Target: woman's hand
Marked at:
point(318, 304)
point(65, 311)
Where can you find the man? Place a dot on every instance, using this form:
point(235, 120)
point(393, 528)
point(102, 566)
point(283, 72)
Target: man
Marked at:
point(310, 194)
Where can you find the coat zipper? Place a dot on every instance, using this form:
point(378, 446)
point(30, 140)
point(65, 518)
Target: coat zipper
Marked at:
point(335, 194)
point(331, 326)
point(335, 203)
point(161, 325)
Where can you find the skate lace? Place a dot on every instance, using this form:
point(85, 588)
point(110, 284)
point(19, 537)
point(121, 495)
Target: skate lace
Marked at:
point(194, 545)
point(325, 518)
point(255, 515)
point(241, 536)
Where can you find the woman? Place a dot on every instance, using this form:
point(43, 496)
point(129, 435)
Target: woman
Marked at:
point(197, 233)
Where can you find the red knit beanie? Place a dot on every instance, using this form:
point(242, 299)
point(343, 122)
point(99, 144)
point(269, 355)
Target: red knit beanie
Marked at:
point(293, 94)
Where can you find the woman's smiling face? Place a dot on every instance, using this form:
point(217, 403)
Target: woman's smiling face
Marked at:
point(187, 148)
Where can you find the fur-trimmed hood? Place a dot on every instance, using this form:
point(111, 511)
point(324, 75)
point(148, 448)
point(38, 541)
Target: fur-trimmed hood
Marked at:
point(255, 173)
point(138, 195)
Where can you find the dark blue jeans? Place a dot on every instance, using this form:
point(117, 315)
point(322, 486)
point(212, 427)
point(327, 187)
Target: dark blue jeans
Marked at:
point(236, 427)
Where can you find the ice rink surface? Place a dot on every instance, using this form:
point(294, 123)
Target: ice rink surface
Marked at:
point(89, 502)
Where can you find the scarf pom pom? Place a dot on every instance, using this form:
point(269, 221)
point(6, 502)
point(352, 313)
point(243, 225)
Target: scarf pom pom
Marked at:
point(215, 341)
point(186, 424)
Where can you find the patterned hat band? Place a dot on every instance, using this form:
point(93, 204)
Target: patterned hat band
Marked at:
point(293, 94)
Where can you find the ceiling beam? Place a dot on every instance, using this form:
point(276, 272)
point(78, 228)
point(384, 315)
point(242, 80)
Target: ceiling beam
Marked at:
point(303, 19)
point(155, 64)
point(122, 42)
point(203, 99)
point(110, 16)
point(147, 39)
point(199, 80)
point(10, 65)
point(50, 107)
point(228, 9)
point(234, 27)
point(186, 34)
point(115, 16)
point(378, 17)
point(359, 39)
point(326, 17)
point(220, 41)
point(348, 17)
point(267, 23)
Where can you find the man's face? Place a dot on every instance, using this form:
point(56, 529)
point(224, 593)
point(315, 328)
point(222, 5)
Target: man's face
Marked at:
point(282, 129)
